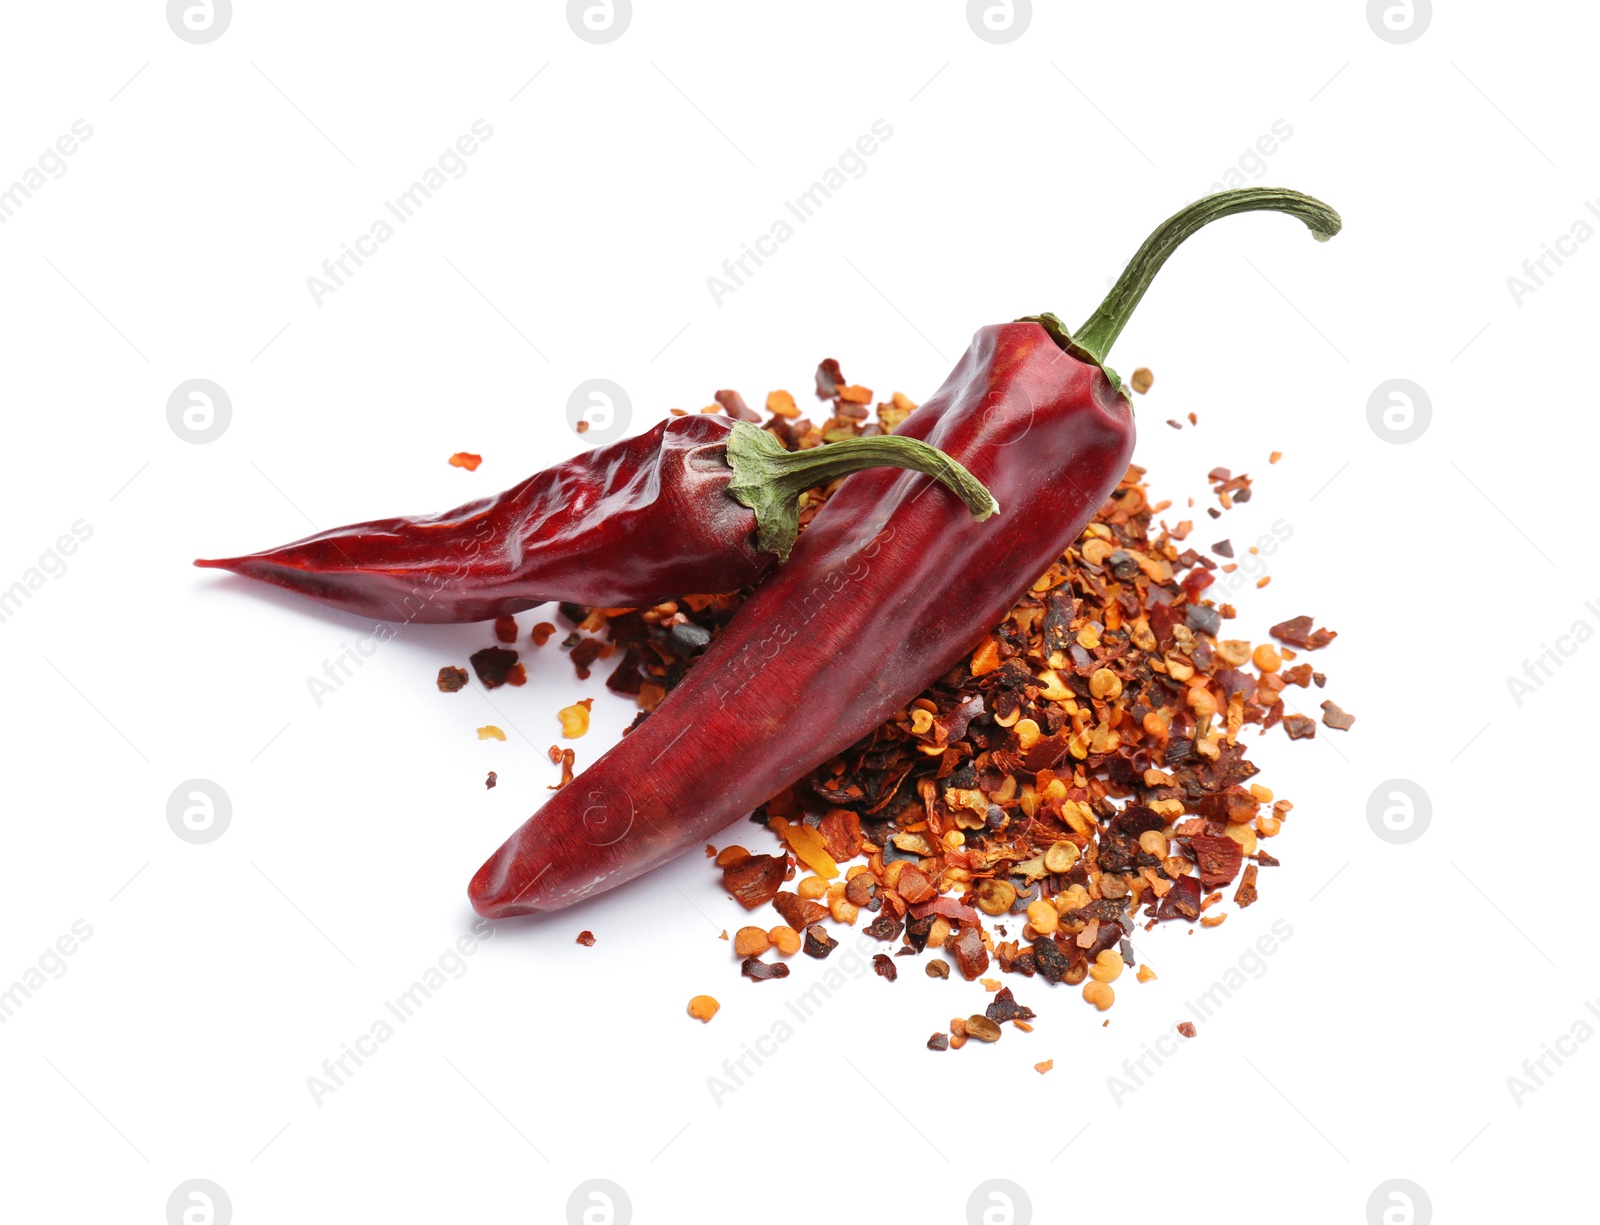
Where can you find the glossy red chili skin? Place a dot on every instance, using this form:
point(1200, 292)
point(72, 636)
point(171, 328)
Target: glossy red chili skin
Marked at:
point(626, 525)
point(888, 588)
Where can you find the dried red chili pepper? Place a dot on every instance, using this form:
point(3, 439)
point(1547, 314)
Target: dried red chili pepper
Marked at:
point(883, 594)
point(697, 504)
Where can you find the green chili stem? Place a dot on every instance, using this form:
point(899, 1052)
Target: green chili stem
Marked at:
point(769, 479)
point(1093, 341)
point(1100, 331)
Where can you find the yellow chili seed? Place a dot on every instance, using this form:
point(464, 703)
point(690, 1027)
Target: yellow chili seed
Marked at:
point(1105, 684)
point(574, 720)
point(1099, 994)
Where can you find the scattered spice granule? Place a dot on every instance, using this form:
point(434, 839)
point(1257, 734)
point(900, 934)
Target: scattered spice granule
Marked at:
point(1194, 418)
point(542, 633)
point(883, 965)
point(491, 780)
point(1298, 632)
point(586, 938)
point(493, 665)
point(1275, 457)
point(703, 1008)
point(1044, 1065)
point(1141, 380)
point(490, 732)
point(575, 718)
point(1300, 727)
point(452, 680)
point(1186, 1028)
point(1088, 755)
point(761, 971)
point(1177, 425)
point(563, 758)
point(505, 629)
point(1334, 717)
point(467, 460)
point(939, 1042)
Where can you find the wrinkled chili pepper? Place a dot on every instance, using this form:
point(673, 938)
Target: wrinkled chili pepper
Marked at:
point(884, 593)
point(700, 503)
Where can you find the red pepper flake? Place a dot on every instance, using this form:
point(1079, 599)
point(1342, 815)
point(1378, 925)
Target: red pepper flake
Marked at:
point(452, 680)
point(798, 912)
point(1223, 548)
point(841, 834)
point(493, 665)
point(884, 965)
point(733, 404)
point(1177, 425)
point(517, 675)
point(1004, 1007)
point(972, 958)
point(755, 879)
point(584, 654)
point(1186, 1028)
point(1246, 893)
point(939, 1041)
point(467, 460)
point(542, 633)
point(948, 907)
point(1336, 718)
point(1182, 900)
point(1300, 727)
point(829, 379)
point(563, 758)
point(855, 395)
point(586, 938)
point(818, 943)
point(505, 629)
point(761, 971)
point(491, 780)
point(913, 885)
point(1298, 632)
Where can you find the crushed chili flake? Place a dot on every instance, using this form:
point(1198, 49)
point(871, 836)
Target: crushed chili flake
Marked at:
point(818, 943)
point(1088, 753)
point(452, 680)
point(1186, 1028)
point(564, 758)
point(1044, 1066)
point(1336, 718)
point(884, 966)
point(761, 971)
point(1300, 727)
point(1298, 632)
point(491, 780)
point(467, 460)
point(493, 665)
point(939, 1042)
point(755, 880)
point(586, 938)
point(505, 629)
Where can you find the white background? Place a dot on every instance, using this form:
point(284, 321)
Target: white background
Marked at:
point(177, 245)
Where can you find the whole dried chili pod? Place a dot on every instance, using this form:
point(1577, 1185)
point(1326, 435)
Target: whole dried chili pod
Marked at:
point(884, 593)
point(700, 503)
